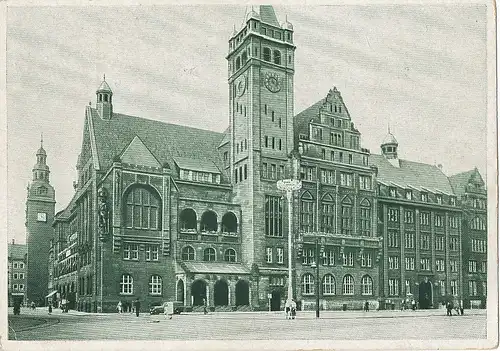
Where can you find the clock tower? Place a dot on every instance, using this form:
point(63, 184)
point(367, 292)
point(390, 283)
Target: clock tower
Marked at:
point(40, 206)
point(261, 70)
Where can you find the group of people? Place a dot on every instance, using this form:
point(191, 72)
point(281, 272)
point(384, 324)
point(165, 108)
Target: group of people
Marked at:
point(457, 306)
point(136, 304)
point(291, 309)
point(406, 304)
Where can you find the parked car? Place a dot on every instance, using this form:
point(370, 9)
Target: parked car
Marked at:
point(160, 309)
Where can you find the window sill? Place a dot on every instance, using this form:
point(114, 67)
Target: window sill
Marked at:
point(131, 259)
point(160, 294)
point(126, 294)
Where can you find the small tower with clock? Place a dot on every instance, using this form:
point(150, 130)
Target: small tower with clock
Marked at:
point(261, 70)
point(40, 207)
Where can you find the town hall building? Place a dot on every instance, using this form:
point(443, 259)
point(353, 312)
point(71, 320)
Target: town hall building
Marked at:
point(163, 212)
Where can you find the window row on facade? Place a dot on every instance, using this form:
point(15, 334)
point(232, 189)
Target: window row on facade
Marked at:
point(240, 173)
point(241, 146)
point(473, 288)
point(155, 285)
point(273, 171)
point(394, 288)
point(332, 256)
point(18, 276)
point(418, 195)
point(393, 241)
point(188, 221)
point(335, 138)
point(131, 252)
point(19, 265)
point(199, 176)
point(475, 268)
point(333, 177)
point(272, 142)
point(478, 245)
point(425, 264)
point(424, 218)
point(209, 254)
point(18, 287)
point(329, 285)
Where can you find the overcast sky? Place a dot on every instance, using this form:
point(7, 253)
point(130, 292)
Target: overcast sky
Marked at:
point(421, 69)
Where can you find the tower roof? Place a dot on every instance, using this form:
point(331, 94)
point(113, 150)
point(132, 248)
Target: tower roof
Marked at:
point(268, 16)
point(389, 139)
point(104, 87)
point(41, 150)
point(252, 14)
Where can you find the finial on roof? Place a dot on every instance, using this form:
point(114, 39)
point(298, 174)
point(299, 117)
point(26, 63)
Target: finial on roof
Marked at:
point(41, 139)
point(388, 128)
point(104, 76)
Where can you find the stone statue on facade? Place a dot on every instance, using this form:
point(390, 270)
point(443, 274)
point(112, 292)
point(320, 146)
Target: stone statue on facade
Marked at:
point(103, 213)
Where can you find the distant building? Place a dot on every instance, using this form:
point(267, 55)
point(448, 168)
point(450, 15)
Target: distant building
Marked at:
point(17, 272)
point(40, 205)
point(164, 212)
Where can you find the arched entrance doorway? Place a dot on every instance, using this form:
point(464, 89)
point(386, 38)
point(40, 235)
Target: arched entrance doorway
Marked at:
point(242, 293)
point(198, 292)
point(425, 294)
point(180, 291)
point(221, 291)
point(275, 300)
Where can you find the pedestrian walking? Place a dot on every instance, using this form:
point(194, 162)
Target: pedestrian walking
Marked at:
point(205, 311)
point(119, 307)
point(367, 306)
point(137, 306)
point(461, 307)
point(50, 308)
point(413, 305)
point(449, 307)
point(293, 309)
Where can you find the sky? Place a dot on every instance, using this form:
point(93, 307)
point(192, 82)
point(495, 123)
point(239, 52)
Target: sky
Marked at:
point(420, 69)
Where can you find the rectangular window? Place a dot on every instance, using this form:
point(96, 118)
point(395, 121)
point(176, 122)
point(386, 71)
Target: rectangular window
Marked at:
point(329, 257)
point(279, 255)
point(424, 218)
point(453, 266)
point(410, 263)
point(454, 287)
point(273, 216)
point(273, 143)
point(346, 224)
point(273, 171)
point(264, 170)
point(308, 256)
point(269, 254)
point(307, 216)
point(151, 252)
point(366, 260)
point(15, 276)
point(393, 287)
point(365, 160)
point(365, 182)
point(439, 243)
point(15, 264)
point(438, 220)
point(393, 192)
point(454, 243)
point(472, 266)
point(341, 157)
point(346, 179)
point(365, 221)
point(327, 217)
point(393, 262)
point(439, 199)
point(483, 267)
point(266, 141)
point(392, 238)
point(425, 264)
point(409, 194)
point(424, 197)
point(439, 265)
point(393, 215)
point(409, 240)
point(453, 221)
point(272, 116)
point(327, 176)
point(281, 172)
point(21, 275)
point(323, 154)
point(332, 156)
point(348, 258)
point(350, 159)
point(425, 241)
point(442, 287)
point(472, 288)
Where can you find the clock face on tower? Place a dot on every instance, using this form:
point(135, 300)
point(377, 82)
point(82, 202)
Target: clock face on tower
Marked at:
point(272, 82)
point(41, 217)
point(241, 86)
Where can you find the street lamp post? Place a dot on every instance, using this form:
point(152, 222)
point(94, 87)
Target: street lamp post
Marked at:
point(289, 186)
point(316, 266)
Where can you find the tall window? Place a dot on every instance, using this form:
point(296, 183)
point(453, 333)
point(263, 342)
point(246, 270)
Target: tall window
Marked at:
point(365, 182)
point(472, 288)
point(366, 259)
point(348, 285)
point(230, 255)
point(424, 218)
point(409, 240)
point(266, 54)
point(126, 284)
point(453, 266)
point(393, 215)
point(442, 287)
point(327, 215)
point(328, 285)
point(393, 262)
point(454, 243)
point(306, 214)
point(209, 254)
point(454, 287)
point(155, 285)
point(439, 242)
point(273, 216)
point(329, 257)
point(142, 209)
point(392, 238)
point(366, 285)
point(151, 252)
point(308, 256)
point(327, 176)
point(439, 265)
point(269, 254)
point(438, 220)
point(365, 221)
point(393, 287)
point(346, 224)
point(472, 266)
point(277, 57)
point(409, 217)
point(348, 258)
point(307, 284)
point(410, 263)
point(346, 179)
point(425, 241)
point(425, 264)
point(279, 255)
point(188, 253)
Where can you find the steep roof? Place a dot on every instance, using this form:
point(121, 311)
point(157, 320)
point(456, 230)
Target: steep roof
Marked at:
point(17, 251)
point(165, 141)
point(301, 120)
point(459, 181)
point(415, 174)
point(268, 15)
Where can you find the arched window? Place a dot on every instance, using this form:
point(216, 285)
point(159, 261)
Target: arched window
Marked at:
point(230, 255)
point(244, 58)
point(188, 219)
point(188, 253)
point(142, 209)
point(307, 212)
point(307, 284)
point(105, 97)
point(126, 284)
point(208, 222)
point(366, 285)
point(365, 218)
point(277, 57)
point(155, 285)
point(229, 223)
point(238, 63)
point(209, 254)
point(266, 54)
point(328, 285)
point(348, 285)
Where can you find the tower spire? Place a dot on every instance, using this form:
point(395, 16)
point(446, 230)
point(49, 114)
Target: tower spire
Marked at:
point(41, 140)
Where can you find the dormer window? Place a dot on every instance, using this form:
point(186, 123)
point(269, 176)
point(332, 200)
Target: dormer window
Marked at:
point(453, 201)
point(409, 195)
point(439, 199)
point(392, 192)
point(424, 197)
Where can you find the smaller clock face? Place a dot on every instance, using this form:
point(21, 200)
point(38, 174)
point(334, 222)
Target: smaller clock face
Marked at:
point(241, 86)
point(272, 82)
point(42, 217)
